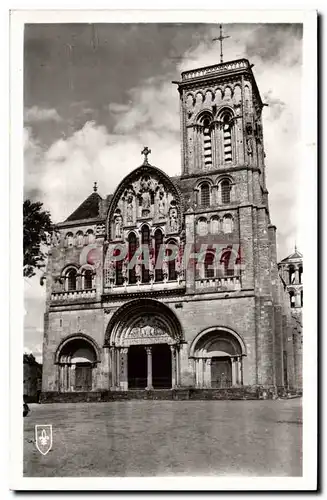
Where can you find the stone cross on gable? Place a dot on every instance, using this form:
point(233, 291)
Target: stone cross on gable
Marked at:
point(146, 151)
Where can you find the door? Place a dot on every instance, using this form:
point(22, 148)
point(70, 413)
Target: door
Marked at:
point(137, 367)
point(221, 373)
point(83, 377)
point(161, 366)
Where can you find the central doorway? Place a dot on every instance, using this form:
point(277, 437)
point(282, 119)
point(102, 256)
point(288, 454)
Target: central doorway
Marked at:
point(137, 367)
point(161, 366)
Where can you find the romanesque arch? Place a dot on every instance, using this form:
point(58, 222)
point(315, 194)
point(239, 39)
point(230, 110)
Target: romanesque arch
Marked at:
point(218, 354)
point(144, 337)
point(76, 358)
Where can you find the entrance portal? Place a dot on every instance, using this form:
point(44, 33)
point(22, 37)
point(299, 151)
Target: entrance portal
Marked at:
point(83, 377)
point(137, 367)
point(221, 373)
point(161, 366)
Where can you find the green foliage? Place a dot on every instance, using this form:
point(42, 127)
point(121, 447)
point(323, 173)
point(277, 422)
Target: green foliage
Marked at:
point(37, 227)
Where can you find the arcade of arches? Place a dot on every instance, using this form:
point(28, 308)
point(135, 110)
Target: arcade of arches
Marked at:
point(143, 350)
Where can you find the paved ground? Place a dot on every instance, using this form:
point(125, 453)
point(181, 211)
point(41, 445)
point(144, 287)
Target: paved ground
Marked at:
point(152, 438)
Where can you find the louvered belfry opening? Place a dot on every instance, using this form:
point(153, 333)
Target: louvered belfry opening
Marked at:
point(207, 143)
point(227, 138)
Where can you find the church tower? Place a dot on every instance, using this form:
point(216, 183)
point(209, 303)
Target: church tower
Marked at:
point(221, 119)
point(224, 186)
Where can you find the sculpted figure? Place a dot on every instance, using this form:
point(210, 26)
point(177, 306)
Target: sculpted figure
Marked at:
point(118, 226)
point(129, 208)
point(161, 205)
point(173, 222)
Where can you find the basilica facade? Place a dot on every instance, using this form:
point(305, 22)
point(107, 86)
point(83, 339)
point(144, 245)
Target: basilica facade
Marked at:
point(173, 282)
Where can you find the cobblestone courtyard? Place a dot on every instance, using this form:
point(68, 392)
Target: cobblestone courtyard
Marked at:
point(153, 438)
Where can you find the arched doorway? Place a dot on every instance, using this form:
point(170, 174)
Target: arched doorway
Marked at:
point(218, 355)
point(76, 359)
point(144, 337)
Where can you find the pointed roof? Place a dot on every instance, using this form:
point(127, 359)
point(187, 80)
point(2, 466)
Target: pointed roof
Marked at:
point(296, 255)
point(89, 209)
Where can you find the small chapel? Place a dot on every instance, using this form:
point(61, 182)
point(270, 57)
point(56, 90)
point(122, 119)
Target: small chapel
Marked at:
point(221, 324)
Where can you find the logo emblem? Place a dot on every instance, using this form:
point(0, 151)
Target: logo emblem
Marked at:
point(43, 438)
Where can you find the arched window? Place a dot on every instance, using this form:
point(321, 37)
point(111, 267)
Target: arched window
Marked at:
point(204, 141)
point(158, 241)
point(132, 246)
point(69, 239)
point(71, 279)
point(214, 225)
point(225, 187)
point(79, 239)
point(300, 275)
point(209, 271)
point(146, 252)
point(202, 226)
point(228, 223)
point(90, 238)
point(226, 262)
point(87, 282)
point(172, 275)
point(205, 194)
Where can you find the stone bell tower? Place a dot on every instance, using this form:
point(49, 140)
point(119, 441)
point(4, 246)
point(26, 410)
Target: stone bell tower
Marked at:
point(221, 118)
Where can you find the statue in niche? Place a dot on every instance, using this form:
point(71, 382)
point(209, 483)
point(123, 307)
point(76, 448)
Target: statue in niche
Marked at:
point(249, 147)
point(129, 209)
point(118, 226)
point(162, 205)
point(173, 222)
point(146, 200)
point(165, 270)
point(152, 263)
point(124, 270)
point(146, 189)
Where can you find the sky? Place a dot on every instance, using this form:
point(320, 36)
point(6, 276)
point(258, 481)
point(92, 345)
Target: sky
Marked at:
point(94, 95)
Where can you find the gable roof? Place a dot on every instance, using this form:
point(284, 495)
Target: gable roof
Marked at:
point(88, 209)
point(296, 255)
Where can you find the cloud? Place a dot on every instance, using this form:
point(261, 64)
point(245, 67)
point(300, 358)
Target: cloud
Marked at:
point(36, 114)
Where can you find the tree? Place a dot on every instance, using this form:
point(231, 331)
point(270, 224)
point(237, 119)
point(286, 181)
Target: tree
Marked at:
point(37, 228)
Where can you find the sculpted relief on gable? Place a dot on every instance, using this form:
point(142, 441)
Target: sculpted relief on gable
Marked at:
point(146, 198)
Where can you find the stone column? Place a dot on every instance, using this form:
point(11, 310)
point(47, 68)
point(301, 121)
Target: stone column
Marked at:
point(95, 381)
point(66, 378)
point(112, 375)
point(240, 370)
point(149, 366)
point(60, 378)
point(200, 374)
point(72, 377)
point(177, 367)
point(234, 371)
point(207, 373)
point(117, 371)
point(123, 369)
point(173, 366)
